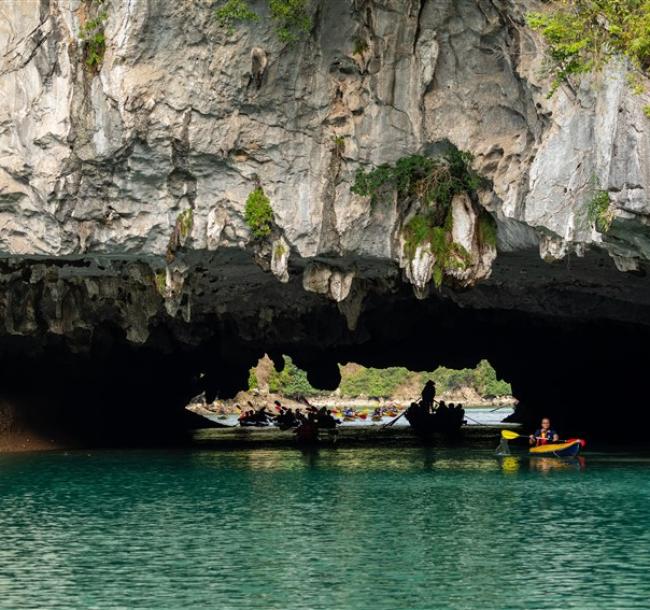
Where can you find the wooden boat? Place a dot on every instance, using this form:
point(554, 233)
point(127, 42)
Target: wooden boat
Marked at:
point(569, 448)
point(426, 424)
point(215, 420)
point(254, 423)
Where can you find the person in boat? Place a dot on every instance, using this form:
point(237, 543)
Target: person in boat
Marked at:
point(327, 420)
point(423, 409)
point(261, 416)
point(286, 419)
point(545, 434)
point(460, 414)
point(307, 431)
point(428, 396)
point(247, 418)
point(278, 407)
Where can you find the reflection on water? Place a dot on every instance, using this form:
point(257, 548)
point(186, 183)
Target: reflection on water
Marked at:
point(349, 529)
point(546, 464)
point(349, 460)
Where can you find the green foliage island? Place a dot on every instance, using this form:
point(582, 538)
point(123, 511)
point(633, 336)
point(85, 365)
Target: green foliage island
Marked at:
point(364, 382)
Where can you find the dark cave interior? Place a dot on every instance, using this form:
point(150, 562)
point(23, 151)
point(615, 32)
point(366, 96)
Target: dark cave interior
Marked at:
point(589, 375)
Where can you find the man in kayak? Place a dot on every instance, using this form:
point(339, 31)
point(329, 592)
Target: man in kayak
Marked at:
point(544, 435)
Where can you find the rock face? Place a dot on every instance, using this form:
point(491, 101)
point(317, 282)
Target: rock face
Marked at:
point(123, 187)
point(184, 115)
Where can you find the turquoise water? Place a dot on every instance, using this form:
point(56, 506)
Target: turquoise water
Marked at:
point(349, 529)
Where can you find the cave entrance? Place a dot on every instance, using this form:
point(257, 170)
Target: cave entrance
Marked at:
point(588, 375)
point(365, 395)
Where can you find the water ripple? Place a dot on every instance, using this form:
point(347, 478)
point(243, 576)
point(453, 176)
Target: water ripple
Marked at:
point(349, 529)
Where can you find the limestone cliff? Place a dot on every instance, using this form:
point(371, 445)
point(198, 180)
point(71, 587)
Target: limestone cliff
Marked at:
point(123, 185)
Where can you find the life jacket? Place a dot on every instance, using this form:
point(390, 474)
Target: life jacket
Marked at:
point(547, 437)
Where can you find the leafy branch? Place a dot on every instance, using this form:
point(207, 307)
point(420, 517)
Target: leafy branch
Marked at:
point(583, 35)
point(94, 41)
point(258, 213)
point(433, 182)
point(599, 211)
point(290, 17)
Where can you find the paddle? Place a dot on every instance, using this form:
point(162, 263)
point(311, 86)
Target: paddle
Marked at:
point(499, 408)
point(510, 435)
point(472, 419)
point(304, 401)
point(390, 423)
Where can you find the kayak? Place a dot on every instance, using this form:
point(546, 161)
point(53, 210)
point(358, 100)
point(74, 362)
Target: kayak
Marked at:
point(569, 448)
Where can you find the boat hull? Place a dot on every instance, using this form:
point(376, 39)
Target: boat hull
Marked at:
point(428, 424)
point(568, 449)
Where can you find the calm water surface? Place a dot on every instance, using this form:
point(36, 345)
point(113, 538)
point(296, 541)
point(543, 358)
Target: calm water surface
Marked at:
point(349, 529)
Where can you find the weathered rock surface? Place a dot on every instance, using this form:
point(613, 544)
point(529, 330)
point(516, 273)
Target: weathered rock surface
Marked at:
point(97, 170)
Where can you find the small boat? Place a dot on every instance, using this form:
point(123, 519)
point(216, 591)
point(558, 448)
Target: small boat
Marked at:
point(569, 448)
point(426, 424)
point(216, 420)
point(254, 423)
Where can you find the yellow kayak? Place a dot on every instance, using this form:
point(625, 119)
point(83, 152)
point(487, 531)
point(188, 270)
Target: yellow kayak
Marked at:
point(566, 449)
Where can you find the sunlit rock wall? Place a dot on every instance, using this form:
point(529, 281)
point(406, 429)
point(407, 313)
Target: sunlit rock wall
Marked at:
point(182, 115)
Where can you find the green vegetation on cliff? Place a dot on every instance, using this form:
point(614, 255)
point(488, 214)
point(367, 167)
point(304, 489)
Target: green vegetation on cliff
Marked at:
point(599, 211)
point(374, 383)
point(258, 213)
point(291, 381)
point(483, 379)
point(487, 229)
point(290, 17)
point(93, 41)
point(583, 35)
point(181, 231)
point(432, 182)
point(359, 381)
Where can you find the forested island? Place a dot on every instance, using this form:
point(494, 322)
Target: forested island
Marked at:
point(477, 386)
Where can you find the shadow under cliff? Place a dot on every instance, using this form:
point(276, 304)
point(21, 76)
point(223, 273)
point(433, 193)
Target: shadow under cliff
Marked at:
point(590, 377)
point(572, 340)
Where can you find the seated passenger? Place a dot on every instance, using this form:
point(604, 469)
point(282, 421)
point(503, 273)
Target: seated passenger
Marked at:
point(545, 434)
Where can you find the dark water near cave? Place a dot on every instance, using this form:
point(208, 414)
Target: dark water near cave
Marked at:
point(347, 529)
